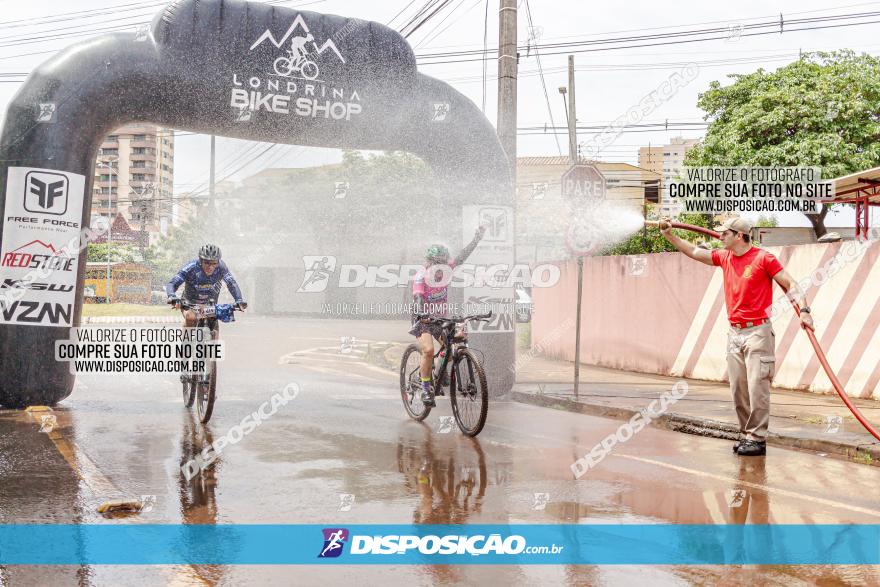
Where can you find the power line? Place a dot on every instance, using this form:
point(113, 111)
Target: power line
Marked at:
point(540, 72)
point(78, 14)
point(429, 37)
point(425, 7)
point(485, 44)
point(665, 39)
point(30, 39)
point(402, 10)
point(773, 24)
point(727, 22)
point(421, 23)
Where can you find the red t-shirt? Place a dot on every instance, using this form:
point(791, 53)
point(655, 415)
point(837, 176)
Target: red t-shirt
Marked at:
point(748, 285)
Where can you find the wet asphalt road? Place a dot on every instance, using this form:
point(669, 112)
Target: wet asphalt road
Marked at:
point(346, 434)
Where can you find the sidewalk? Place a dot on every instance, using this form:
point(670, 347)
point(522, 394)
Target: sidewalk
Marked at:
point(798, 419)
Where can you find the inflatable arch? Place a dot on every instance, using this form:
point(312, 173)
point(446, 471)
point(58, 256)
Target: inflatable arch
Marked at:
point(223, 67)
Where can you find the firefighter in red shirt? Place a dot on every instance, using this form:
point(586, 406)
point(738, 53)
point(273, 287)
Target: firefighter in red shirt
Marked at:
point(749, 273)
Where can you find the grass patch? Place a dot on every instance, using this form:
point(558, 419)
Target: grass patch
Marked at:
point(523, 336)
point(127, 310)
point(862, 457)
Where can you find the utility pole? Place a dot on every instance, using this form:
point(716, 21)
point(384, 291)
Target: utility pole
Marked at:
point(507, 75)
point(507, 72)
point(212, 179)
point(572, 115)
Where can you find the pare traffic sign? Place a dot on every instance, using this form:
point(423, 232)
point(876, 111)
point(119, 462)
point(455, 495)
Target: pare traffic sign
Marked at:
point(584, 186)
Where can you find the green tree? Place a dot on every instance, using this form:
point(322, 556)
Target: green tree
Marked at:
point(651, 241)
point(389, 193)
point(822, 110)
point(767, 221)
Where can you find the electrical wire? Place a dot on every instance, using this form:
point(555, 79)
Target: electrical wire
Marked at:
point(541, 73)
point(664, 39)
point(421, 23)
point(485, 45)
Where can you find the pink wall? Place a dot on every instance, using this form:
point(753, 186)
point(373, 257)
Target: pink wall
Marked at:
point(630, 322)
point(664, 313)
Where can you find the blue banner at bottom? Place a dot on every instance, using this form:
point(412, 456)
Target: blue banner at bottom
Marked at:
point(520, 544)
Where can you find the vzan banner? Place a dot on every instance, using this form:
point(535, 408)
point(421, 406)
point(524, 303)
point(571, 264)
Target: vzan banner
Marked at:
point(37, 264)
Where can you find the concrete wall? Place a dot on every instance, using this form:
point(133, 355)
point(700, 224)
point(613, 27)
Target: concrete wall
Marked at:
point(665, 314)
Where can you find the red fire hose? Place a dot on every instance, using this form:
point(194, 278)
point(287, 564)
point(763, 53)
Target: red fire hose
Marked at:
point(820, 354)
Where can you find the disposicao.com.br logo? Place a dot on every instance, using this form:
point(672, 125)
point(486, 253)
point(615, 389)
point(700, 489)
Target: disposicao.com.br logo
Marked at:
point(335, 539)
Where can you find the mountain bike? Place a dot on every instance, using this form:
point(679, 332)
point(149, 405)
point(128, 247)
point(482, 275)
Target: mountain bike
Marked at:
point(201, 388)
point(468, 390)
point(285, 66)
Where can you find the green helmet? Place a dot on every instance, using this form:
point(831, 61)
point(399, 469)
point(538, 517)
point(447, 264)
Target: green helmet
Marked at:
point(437, 253)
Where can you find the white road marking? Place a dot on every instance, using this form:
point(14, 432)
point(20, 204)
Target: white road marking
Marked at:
point(757, 486)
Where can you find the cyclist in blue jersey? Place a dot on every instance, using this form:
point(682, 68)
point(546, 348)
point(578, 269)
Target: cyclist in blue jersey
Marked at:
point(203, 279)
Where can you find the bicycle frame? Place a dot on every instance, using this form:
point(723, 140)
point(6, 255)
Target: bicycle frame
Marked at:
point(450, 346)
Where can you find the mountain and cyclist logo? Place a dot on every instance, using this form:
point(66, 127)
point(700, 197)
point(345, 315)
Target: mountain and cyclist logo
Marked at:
point(301, 50)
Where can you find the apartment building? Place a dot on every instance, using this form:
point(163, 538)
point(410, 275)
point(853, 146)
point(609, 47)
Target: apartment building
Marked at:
point(134, 176)
point(666, 160)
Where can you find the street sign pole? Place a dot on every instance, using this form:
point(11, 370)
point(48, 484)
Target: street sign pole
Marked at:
point(584, 186)
point(577, 332)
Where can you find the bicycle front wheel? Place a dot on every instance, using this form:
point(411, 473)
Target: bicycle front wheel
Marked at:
point(411, 384)
point(468, 393)
point(189, 391)
point(309, 70)
point(206, 393)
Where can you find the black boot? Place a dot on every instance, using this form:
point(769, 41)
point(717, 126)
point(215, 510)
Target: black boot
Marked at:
point(752, 448)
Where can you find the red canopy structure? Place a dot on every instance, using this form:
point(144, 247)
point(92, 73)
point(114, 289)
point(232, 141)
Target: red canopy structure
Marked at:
point(862, 189)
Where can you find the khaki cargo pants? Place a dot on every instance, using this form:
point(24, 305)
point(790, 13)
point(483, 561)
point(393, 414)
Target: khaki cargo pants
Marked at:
point(751, 364)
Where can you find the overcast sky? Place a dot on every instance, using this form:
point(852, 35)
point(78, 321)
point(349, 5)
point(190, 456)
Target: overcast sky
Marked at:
point(607, 82)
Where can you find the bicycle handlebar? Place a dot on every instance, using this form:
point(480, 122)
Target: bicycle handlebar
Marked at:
point(454, 320)
point(188, 306)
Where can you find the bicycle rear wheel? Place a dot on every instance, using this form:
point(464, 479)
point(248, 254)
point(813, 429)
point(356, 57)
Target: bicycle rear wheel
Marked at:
point(469, 393)
point(411, 384)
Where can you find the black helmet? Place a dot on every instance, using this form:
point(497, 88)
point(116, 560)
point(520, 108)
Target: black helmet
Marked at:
point(209, 252)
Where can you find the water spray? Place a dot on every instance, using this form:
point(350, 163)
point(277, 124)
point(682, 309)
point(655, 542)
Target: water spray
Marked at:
point(820, 354)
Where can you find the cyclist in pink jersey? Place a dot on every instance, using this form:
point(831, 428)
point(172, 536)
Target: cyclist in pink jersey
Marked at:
point(430, 296)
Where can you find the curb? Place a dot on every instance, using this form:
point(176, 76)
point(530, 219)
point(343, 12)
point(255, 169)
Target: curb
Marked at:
point(391, 356)
point(131, 320)
point(704, 427)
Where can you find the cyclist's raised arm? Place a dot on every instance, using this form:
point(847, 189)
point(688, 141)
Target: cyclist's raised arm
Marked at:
point(466, 252)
